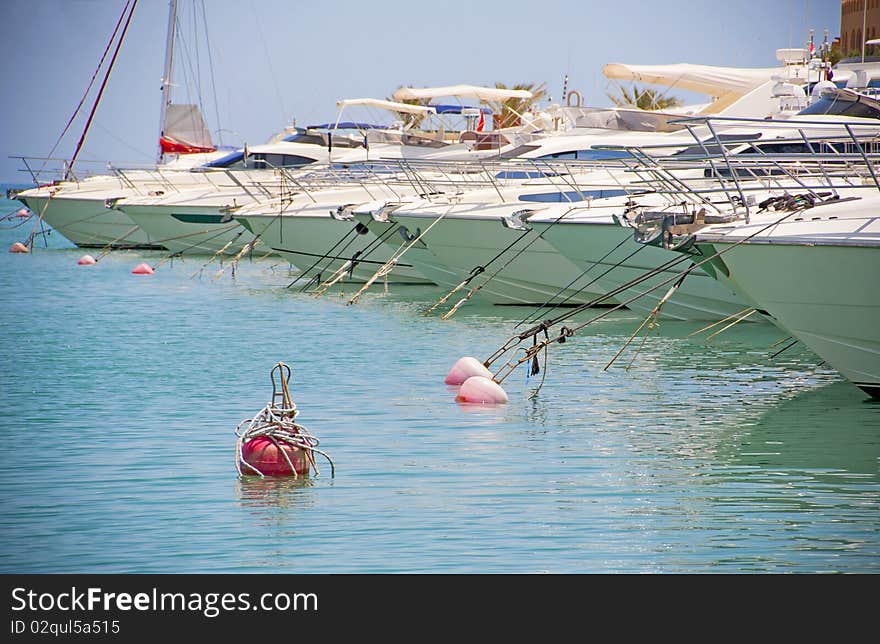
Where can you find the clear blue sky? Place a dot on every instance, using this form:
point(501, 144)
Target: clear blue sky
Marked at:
point(277, 59)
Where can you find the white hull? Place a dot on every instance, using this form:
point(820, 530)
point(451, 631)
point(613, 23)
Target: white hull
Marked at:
point(306, 241)
point(699, 297)
point(826, 297)
point(190, 230)
point(88, 223)
point(418, 255)
point(535, 276)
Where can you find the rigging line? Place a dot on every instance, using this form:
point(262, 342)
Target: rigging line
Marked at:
point(327, 254)
point(213, 80)
point(349, 265)
point(651, 318)
point(395, 257)
point(190, 79)
point(88, 88)
point(198, 79)
point(722, 321)
point(262, 40)
point(515, 340)
point(476, 270)
point(103, 86)
point(247, 248)
point(785, 348)
point(29, 242)
point(121, 140)
point(109, 245)
point(533, 316)
point(736, 321)
point(479, 287)
point(567, 333)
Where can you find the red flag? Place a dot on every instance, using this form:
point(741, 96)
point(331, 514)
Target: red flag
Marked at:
point(481, 122)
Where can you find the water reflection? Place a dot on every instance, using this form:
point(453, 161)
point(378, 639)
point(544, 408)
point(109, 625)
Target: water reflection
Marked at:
point(832, 429)
point(265, 495)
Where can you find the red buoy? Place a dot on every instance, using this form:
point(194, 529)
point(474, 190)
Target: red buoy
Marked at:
point(18, 247)
point(265, 455)
point(87, 260)
point(143, 269)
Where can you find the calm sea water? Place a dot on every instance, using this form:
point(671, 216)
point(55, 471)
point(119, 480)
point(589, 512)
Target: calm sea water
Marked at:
point(121, 393)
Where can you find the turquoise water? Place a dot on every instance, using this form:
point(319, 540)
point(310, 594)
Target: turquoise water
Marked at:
point(121, 394)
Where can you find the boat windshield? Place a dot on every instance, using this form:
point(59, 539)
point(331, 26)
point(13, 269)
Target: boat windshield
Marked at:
point(835, 105)
point(587, 155)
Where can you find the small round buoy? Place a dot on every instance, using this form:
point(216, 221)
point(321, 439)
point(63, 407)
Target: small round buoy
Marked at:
point(18, 247)
point(23, 212)
point(265, 455)
point(485, 391)
point(143, 269)
point(87, 260)
point(464, 369)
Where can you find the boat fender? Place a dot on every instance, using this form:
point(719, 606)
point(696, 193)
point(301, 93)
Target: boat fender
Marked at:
point(465, 368)
point(18, 247)
point(481, 390)
point(143, 269)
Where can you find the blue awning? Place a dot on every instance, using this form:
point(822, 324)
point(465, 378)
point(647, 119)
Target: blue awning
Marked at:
point(456, 109)
point(347, 125)
point(226, 161)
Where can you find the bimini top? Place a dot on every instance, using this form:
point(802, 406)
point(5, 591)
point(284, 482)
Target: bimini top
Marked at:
point(345, 125)
point(462, 91)
point(459, 109)
point(391, 106)
point(705, 79)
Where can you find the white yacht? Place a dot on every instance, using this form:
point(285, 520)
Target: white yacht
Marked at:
point(814, 274)
point(391, 175)
point(469, 228)
point(197, 220)
point(75, 206)
point(804, 252)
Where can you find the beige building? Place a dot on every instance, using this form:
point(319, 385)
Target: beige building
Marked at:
point(854, 15)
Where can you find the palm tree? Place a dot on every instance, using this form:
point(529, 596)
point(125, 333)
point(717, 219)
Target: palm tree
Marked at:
point(643, 98)
point(507, 112)
point(412, 121)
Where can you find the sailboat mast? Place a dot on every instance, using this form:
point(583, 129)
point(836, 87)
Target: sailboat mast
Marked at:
point(166, 76)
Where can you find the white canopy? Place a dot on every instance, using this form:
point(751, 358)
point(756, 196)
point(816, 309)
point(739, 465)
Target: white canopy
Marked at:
point(714, 81)
point(391, 106)
point(463, 91)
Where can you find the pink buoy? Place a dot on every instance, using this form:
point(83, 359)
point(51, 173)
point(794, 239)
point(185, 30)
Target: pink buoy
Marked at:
point(87, 260)
point(481, 390)
point(143, 269)
point(18, 247)
point(464, 369)
point(265, 454)
point(23, 212)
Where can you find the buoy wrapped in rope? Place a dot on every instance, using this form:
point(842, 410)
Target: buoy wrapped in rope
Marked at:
point(272, 443)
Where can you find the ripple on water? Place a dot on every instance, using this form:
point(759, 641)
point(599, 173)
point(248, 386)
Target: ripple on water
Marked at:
point(124, 391)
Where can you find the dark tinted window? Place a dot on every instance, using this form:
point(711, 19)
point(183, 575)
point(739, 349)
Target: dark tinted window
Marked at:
point(587, 155)
point(262, 160)
point(839, 107)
